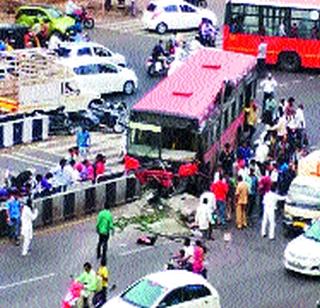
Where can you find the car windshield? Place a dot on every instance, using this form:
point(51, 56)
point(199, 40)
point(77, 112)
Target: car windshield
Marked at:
point(143, 294)
point(54, 13)
point(304, 190)
point(313, 232)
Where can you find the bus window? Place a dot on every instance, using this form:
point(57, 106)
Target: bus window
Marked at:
point(275, 21)
point(248, 93)
point(301, 19)
point(178, 139)
point(234, 110)
point(228, 92)
point(226, 119)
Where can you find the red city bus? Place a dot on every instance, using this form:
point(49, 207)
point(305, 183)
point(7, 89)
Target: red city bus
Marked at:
point(291, 29)
point(194, 111)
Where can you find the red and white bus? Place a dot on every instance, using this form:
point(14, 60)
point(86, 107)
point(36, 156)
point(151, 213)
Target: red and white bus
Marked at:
point(191, 113)
point(291, 29)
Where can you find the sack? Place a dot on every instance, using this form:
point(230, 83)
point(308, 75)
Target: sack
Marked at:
point(146, 240)
point(99, 299)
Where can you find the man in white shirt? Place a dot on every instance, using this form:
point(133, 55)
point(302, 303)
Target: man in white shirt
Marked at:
point(270, 201)
point(204, 216)
point(300, 124)
point(268, 86)
point(261, 57)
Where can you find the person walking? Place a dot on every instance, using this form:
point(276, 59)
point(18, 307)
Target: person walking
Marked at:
point(251, 113)
point(103, 273)
point(104, 228)
point(13, 206)
point(300, 124)
point(242, 194)
point(83, 141)
point(227, 159)
point(29, 214)
point(252, 181)
point(268, 86)
point(203, 217)
point(220, 190)
point(261, 57)
point(269, 207)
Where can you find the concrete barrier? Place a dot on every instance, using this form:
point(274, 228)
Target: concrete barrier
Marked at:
point(78, 202)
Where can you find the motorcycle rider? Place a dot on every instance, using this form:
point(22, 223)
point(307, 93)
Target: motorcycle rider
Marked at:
point(72, 9)
point(207, 33)
point(159, 54)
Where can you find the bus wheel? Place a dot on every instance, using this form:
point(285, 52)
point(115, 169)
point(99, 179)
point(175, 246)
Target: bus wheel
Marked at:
point(289, 61)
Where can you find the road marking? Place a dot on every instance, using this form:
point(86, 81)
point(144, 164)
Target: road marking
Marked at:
point(27, 161)
point(15, 284)
point(32, 159)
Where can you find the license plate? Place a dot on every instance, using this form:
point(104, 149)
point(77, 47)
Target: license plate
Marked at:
point(299, 224)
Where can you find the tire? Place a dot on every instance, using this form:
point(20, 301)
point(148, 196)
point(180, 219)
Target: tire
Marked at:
point(89, 23)
point(152, 70)
point(289, 61)
point(162, 28)
point(118, 129)
point(128, 88)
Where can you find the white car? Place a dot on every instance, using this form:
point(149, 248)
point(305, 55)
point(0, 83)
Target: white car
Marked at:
point(302, 254)
point(164, 15)
point(81, 49)
point(99, 76)
point(172, 288)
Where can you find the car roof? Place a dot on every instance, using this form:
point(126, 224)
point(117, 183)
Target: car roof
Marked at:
point(172, 279)
point(84, 60)
point(307, 180)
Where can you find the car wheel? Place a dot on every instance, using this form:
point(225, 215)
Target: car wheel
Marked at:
point(162, 28)
point(289, 61)
point(88, 23)
point(128, 88)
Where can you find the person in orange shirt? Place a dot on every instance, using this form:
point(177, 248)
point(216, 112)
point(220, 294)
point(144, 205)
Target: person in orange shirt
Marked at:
point(242, 193)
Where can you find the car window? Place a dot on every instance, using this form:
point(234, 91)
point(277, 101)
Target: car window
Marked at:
point(101, 52)
point(40, 14)
point(151, 7)
point(54, 13)
point(107, 69)
point(87, 69)
point(171, 9)
point(192, 292)
point(144, 293)
point(31, 12)
point(85, 51)
point(187, 9)
point(175, 297)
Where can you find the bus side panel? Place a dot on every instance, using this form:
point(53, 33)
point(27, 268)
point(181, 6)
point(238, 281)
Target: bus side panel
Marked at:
point(229, 135)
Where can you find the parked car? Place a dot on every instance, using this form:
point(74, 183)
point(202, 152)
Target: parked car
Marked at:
point(14, 33)
point(91, 49)
point(100, 76)
point(173, 288)
point(302, 204)
point(29, 15)
point(302, 254)
point(162, 16)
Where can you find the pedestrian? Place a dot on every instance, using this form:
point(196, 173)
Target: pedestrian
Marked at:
point(83, 141)
point(251, 113)
point(242, 194)
point(269, 207)
point(300, 124)
point(188, 250)
point(264, 186)
point(29, 214)
point(99, 165)
point(13, 206)
point(203, 217)
point(103, 273)
point(198, 258)
point(269, 112)
point(220, 190)
point(252, 181)
point(226, 159)
point(261, 57)
point(269, 86)
point(89, 280)
point(104, 228)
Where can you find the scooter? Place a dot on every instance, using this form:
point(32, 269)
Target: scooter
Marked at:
point(157, 68)
point(85, 18)
point(60, 122)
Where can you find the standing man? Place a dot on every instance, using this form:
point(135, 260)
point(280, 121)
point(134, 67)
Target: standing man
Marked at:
point(203, 217)
point(261, 57)
point(252, 181)
point(83, 141)
point(220, 190)
point(28, 216)
point(104, 227)
point(14, 217)
point(227, 159)
point(268, 86)
point(242, 194)
point(300, 123)
point(269, 207)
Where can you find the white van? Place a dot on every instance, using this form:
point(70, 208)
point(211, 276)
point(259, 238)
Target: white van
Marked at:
point(100, 76)
point(303, 203)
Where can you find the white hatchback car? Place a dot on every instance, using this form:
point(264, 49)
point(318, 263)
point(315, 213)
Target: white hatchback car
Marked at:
point(99, 76)
point(172, 288)
point(302, 254)
point(164, 15)
point(81, 49)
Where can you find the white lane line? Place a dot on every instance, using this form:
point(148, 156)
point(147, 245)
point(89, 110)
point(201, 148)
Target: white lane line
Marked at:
point(27, 161)
point(32, 158)
point(19, 283)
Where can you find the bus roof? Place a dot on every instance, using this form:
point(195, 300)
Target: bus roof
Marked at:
point(304, 4)
point(191, 91)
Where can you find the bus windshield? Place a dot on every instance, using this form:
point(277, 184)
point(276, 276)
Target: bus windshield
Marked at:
point(144, 140)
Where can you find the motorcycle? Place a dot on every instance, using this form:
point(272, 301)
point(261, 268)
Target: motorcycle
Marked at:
point(85, 18)
point(156, 68)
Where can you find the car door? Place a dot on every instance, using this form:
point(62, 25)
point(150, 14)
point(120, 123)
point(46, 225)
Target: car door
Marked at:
point(87, 78)
point(198, 295)
point(172, 299)
point(189, 16)
point(171, 16)
point(110, 79)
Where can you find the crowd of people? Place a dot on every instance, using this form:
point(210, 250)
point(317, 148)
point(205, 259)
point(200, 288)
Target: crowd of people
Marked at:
point(251, 178)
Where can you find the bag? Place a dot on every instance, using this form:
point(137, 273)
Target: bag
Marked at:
point(146, 240)
point(99, 299)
